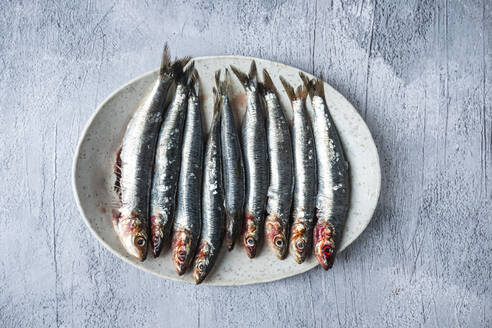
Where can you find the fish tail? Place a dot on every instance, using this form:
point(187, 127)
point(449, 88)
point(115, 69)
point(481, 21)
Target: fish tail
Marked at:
point(217, 79)
point(253, 74)
point(242, 77)
point(301, 93)
point(222, 86)
point(268, 82)
point(247, 80)
point(308, 84)
point(117, 173)
point(227, 81)
point(315, 87)
point(179, 73)
point(319, 88)
point(289, 89)
point(166, 61)
point(195, 83)
point(216, 112)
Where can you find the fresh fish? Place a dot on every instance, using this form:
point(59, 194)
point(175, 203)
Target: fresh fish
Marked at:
point(212, 203)
point(134, 162)
point(279, 200)
point(254, 144)
point(232, 164)
point(188, 221)
point(332, 202)
point(167, 165)
point(304, 202)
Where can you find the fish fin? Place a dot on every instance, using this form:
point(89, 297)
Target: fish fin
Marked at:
point(242, 77)
point(268, 83)
point(195, 83)
point(115, 218)
point(166, 61)
point(117, 172)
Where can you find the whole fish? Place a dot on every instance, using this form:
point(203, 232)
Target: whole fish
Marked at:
point(254, 145)
point(212, 203)
point(134, 162)
point(332, 202)
point(167, 164)
point(279, 200)
point(232, 164)
point(304, 202)
point(187, 223)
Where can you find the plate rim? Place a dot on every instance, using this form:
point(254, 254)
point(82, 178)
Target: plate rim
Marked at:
point(83, 135)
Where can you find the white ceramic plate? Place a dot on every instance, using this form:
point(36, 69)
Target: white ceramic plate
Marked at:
point(93, 166)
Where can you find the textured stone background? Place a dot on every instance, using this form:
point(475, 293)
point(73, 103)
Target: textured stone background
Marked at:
point(418, 71)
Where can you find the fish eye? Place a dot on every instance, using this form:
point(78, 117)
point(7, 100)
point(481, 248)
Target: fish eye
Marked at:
point(201, 267)
point(279, 242)
point(301, 243)
point(250, 241)
point(327, 251)
point(140, 241)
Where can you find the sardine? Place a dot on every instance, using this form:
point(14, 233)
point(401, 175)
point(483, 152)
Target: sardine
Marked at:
point(167, 165)
point(188, 221)
point(279, 200)
point(332, 201)
point(134, 162)
point(232, 164)
point(254, 145)
point(212, 203)
point(304, 202)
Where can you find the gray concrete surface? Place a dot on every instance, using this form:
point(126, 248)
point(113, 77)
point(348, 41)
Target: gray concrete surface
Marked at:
point(418, 71)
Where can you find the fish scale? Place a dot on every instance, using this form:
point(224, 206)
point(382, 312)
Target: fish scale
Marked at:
point(254, 145)
point(167, 166)
point(134, 162)
point(232, 164)
point(305, 185)
point(187, 224)
point(213, 222)
point(279, 200)
point(333, 197)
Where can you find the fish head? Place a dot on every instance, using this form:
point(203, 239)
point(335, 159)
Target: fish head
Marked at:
point(202, 262)
point(250, 235)
point(182, 249)
point(276, 236)
point(159, 228)
point(299, 241)
point(324, 244)
point(132, 233)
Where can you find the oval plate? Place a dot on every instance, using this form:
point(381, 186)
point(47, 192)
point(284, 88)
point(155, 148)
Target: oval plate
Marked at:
point(93, 171)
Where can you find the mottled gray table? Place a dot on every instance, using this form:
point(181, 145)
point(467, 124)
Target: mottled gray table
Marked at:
point(419, 72)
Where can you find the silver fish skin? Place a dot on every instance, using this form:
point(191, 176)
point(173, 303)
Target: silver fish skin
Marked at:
point(212, 205)
point(232, 164)
point(305, 184)
point(187, 222)
point(167, 166)
point(134, 162)
point(333, 198)
point(254, 145)
point(279, 200)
